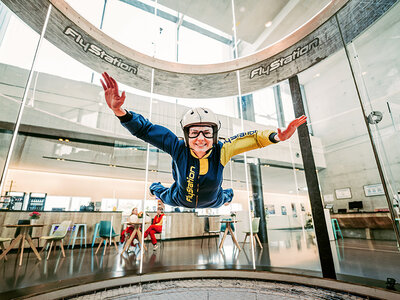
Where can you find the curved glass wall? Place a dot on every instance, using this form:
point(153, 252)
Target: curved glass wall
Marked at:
point(377, 82)
point(13, 88)
point(72, 149)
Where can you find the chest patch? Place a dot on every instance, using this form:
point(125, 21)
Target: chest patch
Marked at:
point(203, 166)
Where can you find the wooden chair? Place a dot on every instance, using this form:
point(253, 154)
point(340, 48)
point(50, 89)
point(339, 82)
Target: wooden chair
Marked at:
point(57, 236)
point(106, 232)
point(255, 224)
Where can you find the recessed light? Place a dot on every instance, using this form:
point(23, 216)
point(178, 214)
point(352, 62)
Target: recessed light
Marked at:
point(242, 9)
point(363, 73)
point(268, 24)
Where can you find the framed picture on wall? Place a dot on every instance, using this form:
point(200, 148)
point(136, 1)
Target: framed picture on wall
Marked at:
point(374, 190)
point(343, 193)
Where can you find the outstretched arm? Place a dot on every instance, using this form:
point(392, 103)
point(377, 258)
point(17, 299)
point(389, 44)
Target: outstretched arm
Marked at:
point(288, 132)
point(113, 99)
point(137, 125)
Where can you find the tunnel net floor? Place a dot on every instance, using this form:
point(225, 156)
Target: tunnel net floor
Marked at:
point(218, 289)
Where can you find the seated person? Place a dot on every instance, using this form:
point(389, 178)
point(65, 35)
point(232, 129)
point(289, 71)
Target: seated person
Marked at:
point(156, 227)
point(133, 218)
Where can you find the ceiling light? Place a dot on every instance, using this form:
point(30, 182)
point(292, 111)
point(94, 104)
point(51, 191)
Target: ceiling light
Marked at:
point(268, 24)
point(60, 139)
point(363, 73)
point(242, 9)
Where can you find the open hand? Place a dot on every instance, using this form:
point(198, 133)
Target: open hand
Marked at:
point(113, 99)
point(288, 132)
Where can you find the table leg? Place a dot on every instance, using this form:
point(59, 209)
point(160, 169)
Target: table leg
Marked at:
point(233, 238)
point(140, 240)
point(22, 249)
point(223, 238)
point(30, 242)
point(11, 246)
point(3, 248)
point(129, 241)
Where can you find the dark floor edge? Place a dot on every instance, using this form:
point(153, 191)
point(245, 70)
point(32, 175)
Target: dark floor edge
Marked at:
point(83, 288)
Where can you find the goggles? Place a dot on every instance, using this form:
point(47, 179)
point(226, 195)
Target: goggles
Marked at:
point(207, 131)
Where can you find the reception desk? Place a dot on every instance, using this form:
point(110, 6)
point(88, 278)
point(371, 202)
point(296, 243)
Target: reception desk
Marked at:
point(48, 218)
point(372, 220)
point(186, 224)
point(366, 225)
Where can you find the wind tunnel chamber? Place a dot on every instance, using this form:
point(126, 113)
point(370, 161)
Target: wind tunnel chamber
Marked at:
point(314, 215)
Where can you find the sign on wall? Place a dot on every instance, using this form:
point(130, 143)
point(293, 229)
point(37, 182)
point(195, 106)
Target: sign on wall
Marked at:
point(374, 190)
point(343, 193)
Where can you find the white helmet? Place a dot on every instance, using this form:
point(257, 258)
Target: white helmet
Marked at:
point(203, 116)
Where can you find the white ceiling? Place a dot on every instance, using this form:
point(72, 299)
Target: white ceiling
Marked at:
point(251, 17)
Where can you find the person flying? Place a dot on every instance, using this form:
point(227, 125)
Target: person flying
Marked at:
point(198, 161)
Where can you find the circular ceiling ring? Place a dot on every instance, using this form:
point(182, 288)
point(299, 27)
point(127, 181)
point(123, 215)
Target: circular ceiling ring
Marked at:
point(308, 45)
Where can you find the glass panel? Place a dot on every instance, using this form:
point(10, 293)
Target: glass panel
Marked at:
point(381, 101)
point(285, 199)
point(16, 56)
point(345, 149)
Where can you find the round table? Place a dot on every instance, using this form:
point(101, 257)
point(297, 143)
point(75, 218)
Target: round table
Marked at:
point(228, 228)
point(136, 230)
point(23, 235)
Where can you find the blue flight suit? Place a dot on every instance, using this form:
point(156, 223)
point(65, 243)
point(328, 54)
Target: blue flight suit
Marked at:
point(197, 181)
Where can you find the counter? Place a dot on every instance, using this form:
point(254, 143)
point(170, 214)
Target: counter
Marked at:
point(186, 224)
point(11, 217)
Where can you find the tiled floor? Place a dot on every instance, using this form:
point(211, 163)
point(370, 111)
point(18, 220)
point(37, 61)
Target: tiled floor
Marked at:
point(359, 261)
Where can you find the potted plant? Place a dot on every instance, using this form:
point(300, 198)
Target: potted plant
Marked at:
point(34, 216)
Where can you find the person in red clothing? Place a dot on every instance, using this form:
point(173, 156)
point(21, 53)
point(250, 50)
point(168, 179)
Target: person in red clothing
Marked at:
point(133, 218)
point(156, 227)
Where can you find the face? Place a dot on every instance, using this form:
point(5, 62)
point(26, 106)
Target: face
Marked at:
point(200, 138)
point(159, 212)
point(134, 211)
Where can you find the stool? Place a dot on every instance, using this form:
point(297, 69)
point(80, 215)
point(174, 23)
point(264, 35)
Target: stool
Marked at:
point(74, 234)
point(336, 228)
